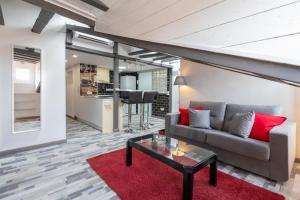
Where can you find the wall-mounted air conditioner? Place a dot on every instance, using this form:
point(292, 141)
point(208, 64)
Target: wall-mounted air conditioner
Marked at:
point(91, 38)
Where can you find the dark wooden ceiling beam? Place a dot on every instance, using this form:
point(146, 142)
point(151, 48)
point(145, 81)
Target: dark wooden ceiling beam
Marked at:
point(1, 16)
point(26, 59)
point(271, 70)
point(97, 4)
point(139, 52)
point(69, 37)
point(151, 55)
point(162, 57)
point(24, 56)
point(26, 52)
point(169, 59)
point(62, 11)
point(41, 22)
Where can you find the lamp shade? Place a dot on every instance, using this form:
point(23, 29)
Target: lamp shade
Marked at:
point(180, 80)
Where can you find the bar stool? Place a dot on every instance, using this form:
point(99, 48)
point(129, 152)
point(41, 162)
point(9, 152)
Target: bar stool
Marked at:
point(148, 98)
point(131, 97)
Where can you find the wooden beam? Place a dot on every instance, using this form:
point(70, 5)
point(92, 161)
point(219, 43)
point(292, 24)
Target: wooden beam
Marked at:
point(151, 55)
point(1, 16)
point(170, 59)
point(26, 60)
point(97, 4)
point(26, 52)
point(134, 53)
point(62, 11)
point(281, 72)
point(43, 19)
point(162, 57)
point(69, 37)
point(89, 51)
point(26, 57)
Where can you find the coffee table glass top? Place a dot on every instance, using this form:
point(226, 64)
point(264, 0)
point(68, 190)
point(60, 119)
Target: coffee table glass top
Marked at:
point(176, 150)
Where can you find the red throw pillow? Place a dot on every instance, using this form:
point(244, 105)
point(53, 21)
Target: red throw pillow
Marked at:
point(263, 124)
point(184, 116)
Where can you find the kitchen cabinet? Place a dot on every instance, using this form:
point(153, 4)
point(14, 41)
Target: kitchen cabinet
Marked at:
point(102, 75)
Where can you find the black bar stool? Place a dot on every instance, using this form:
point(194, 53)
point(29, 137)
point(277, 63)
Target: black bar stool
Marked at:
point(148, 98)
point(131, 97)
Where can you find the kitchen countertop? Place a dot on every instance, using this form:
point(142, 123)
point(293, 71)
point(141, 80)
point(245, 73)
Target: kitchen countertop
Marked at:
point(128, 90)
point(99, 96)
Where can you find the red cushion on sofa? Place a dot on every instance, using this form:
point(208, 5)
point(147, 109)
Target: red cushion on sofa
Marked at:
point(263, 124)
point(184, 116)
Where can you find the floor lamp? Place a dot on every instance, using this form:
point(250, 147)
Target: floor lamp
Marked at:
point(179, 80)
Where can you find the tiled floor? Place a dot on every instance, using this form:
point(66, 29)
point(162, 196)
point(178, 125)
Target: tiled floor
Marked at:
point(61, 171)
point(27, 125)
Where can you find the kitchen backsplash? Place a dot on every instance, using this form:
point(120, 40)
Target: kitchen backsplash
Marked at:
point(161, 106)
point(105, 89)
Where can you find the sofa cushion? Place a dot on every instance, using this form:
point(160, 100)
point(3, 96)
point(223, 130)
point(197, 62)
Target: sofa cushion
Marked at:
point(184, 116)
point(232, 109)
point(263, 125)
point(244, 146)
point(195, 134)
point(199, 118)
point(217, 112)
point(241, 124)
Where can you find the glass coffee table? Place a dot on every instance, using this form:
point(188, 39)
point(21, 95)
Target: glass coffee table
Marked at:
point(186, 158)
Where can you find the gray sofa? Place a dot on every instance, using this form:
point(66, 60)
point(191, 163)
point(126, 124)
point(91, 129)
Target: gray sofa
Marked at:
point(273, 159)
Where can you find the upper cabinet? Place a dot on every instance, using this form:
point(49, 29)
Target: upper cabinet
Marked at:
point(102, 75)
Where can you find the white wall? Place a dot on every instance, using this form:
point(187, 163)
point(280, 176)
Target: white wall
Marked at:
point(52, 44)
point(206, 83)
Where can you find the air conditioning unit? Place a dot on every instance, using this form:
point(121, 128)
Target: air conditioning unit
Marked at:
point(91, 38)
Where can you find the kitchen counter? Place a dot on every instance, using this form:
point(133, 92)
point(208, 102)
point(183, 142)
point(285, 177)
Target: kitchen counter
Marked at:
point(128, 90)
point(99, 96)
point(97, 111)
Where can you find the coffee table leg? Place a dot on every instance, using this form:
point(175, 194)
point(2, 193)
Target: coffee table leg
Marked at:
point(213, 173)
point(128, 155)
point(188, 179)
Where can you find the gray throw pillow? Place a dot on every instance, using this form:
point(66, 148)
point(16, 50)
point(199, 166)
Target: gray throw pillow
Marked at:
point(199, 118)
point(241, 124)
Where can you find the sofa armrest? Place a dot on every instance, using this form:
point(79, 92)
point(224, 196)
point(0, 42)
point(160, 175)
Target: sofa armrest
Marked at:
point(171, 119)
point(282, 150)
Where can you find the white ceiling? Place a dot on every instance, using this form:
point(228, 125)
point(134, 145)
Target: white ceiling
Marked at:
point(268, 28)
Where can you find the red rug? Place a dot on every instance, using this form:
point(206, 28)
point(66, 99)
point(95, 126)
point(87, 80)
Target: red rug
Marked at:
point(149, 179)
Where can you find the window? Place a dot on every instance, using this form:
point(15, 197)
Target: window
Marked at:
point(22, 75)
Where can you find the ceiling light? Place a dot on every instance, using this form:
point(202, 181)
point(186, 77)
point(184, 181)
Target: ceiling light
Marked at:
point(74, 56)
point(122, 67)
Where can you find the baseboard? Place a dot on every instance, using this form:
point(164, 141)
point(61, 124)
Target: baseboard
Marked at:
point(13, 151)
point(297, 160)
